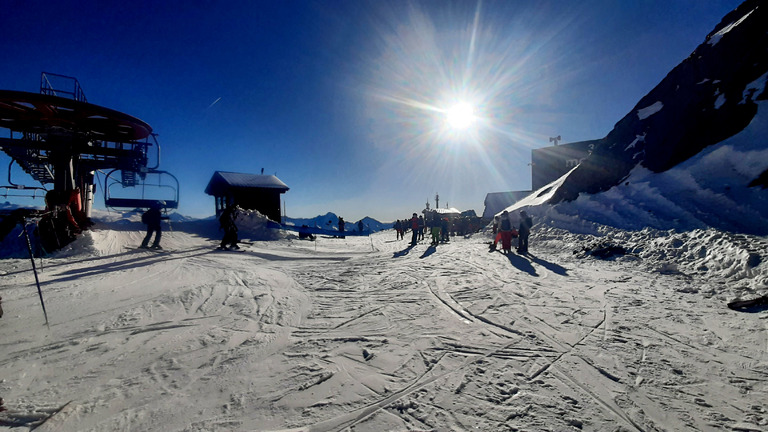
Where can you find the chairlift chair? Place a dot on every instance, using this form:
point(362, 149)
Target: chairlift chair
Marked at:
point(142, 189)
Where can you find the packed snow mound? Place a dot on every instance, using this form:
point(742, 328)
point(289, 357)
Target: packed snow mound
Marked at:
point(113, 232)
point(735, 259)
point(254, 226)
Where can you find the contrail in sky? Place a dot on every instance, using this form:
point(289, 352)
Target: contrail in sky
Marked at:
point(214, 102)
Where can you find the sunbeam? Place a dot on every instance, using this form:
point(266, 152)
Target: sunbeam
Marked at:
point(455, 89)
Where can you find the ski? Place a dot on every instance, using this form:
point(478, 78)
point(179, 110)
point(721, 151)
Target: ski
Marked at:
point(148, 249)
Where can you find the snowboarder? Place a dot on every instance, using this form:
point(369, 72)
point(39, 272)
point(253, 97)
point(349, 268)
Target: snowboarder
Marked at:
point(152, 219)
point(227, 223)
point(526, 222)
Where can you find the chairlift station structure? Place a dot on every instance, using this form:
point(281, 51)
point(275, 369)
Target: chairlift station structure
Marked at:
point(61, 141)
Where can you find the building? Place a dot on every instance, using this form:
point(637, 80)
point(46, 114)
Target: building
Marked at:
point(249, 191)
point(550, 163)
point(496, 202)
point(443, 212)
point(547, 165)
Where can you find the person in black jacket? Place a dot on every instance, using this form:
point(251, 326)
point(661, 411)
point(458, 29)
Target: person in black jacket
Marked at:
point(152, 219)
point(526, 222)
point(505, 232)
point(227, 223)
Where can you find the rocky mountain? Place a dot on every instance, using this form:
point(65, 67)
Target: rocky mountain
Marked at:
point(711, 96)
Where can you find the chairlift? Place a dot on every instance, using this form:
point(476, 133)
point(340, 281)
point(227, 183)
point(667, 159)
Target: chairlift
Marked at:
point(141, 189)
point(32, 192)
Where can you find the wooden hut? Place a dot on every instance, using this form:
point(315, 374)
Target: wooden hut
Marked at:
point(249, 191)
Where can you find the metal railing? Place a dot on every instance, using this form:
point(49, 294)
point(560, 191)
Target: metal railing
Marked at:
point(47, 86)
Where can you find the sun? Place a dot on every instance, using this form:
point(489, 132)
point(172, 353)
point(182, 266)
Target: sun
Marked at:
point(460, 116)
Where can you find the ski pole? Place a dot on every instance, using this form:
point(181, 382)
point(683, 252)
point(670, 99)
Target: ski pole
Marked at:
point(34, 269)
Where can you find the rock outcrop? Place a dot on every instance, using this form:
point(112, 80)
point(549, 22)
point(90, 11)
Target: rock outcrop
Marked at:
point(711, 96)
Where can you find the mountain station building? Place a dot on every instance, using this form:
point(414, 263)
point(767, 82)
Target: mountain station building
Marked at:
point(249, 191)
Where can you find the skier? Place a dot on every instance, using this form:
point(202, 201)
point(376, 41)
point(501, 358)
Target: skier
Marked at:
point(152, 219)
point(341, 226)
point(227, 223)
point(421, 228)
point(526, 222)
point(360, 225)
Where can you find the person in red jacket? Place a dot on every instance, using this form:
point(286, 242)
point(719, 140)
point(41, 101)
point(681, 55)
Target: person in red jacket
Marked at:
point(415, 229)
point(507, 232)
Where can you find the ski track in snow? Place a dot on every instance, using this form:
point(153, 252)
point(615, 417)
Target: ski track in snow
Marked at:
point(371, 335)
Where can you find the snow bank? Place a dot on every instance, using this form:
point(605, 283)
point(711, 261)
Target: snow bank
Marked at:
point(736, 260)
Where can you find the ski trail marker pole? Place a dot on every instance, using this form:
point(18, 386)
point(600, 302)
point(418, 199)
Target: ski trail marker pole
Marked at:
point(34, 269)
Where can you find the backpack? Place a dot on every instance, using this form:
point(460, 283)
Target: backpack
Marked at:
point(144, 217)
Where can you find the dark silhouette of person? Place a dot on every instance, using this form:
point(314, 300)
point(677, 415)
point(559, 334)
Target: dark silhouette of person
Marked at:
point(305, 234)
point(227, 223)
point(444, 233)
point(415, 229)
point(422, 224)
point(152, 218)
point(505, 232)
point(526, 222)
point(360, 225)
point(341, 226)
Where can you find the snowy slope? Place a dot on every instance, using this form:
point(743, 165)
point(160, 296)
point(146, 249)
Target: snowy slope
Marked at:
point(368, 334)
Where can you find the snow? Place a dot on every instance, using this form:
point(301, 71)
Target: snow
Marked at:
point(638, 139)
point(368, 334)
point(754, 89)
point(644, 113)
point(715, 38)
point(371, 334)
point(720, 101)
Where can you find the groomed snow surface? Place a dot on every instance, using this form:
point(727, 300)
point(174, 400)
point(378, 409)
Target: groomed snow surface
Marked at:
point(368, 334)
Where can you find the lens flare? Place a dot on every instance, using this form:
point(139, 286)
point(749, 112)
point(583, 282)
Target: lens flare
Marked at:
point(460, 116)
point(455, 96)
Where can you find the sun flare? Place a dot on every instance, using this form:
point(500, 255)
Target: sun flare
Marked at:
point(460, 116)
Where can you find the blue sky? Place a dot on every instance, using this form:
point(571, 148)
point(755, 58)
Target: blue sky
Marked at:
point(345, 100)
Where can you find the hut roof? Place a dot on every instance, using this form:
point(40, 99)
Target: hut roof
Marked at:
point(223, 181)
point(446, 211)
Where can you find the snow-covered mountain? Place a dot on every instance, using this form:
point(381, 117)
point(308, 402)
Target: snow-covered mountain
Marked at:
point(330, 221)
point(692, 153)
